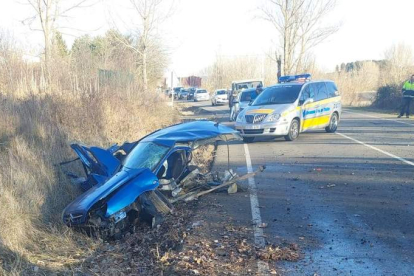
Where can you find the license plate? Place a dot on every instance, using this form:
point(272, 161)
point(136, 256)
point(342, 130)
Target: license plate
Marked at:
point(253, 127)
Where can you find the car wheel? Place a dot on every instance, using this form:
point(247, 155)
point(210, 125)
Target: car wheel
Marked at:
point(212, 103)
point(333, 123)
point(248, 139)
point(293, 131)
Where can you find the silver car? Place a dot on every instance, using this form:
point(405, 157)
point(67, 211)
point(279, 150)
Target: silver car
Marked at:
point(201, 95)
point(242, 101)
point(291, 108)
point(219, 97)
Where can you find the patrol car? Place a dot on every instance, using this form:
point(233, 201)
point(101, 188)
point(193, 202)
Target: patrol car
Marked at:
point(295, 105)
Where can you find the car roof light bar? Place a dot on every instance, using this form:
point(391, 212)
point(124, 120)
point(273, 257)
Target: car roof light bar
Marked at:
point(301, 77)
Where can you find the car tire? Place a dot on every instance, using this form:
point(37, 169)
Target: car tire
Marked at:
point(248, 139)
point(333, 123)
point(293, 133)
point(212, 103)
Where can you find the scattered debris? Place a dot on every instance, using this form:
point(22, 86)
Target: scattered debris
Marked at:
point(177, 248)
point(262, 225)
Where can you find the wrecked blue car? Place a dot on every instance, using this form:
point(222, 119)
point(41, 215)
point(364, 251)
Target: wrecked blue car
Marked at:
point(133, 182)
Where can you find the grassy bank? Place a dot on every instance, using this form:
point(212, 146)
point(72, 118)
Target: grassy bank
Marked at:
point(35, 131)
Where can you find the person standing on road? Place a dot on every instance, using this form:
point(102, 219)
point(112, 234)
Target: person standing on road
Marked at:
point(408, 95)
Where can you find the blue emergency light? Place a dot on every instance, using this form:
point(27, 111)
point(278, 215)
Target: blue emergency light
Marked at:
point(284, 79)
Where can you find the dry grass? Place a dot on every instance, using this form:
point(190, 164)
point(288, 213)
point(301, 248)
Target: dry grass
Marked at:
point(203, 157)
point(35, 131)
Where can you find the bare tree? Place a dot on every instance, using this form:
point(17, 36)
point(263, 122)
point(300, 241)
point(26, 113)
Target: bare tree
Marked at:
point(150, 15)
point(48, 12)
point(399, 61)
point(299, 27)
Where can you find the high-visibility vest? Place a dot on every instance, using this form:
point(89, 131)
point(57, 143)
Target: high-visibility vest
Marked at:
point(408, 89)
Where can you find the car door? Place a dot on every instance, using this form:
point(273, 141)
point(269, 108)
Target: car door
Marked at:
point(307, 108)
point(323, 108)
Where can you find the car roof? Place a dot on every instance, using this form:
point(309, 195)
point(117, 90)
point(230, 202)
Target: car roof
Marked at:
point(189, 132)
point(249, 80)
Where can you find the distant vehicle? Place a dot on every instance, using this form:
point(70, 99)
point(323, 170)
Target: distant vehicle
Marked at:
point(191, 92)
point(291, 107)
point(174, 92)
point(182, 94)
point(238, 86)
point(241, 102)
point(219, 97)
point(201, 95)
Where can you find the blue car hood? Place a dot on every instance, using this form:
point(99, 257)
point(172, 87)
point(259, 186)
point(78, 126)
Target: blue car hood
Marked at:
point(83, 203)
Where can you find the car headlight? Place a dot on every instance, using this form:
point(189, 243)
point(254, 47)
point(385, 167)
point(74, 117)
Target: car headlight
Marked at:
point(273, 117)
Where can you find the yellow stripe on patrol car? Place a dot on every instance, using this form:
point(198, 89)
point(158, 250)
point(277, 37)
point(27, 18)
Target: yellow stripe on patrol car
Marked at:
point(260, 111)
point(286, 113)
point(314, 122)
point(330, 100)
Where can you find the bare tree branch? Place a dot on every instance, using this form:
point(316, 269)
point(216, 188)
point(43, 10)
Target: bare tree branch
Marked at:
point(298, 24)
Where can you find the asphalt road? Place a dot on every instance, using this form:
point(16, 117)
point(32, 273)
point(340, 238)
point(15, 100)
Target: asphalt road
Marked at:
point(347, 199)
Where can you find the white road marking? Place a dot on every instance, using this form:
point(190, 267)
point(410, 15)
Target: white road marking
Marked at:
point(377, 149)
point(385, 119)
point(262, 267)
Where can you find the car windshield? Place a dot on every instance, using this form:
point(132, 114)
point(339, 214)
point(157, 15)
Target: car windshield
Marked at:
point(221, 92)
point(248, 96)
point(145, 155)
point(201, 91)
point(278, 94)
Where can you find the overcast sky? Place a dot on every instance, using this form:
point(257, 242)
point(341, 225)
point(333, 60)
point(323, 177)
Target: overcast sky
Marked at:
point(200, 29)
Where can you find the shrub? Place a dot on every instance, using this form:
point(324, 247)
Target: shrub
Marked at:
point(388, 96)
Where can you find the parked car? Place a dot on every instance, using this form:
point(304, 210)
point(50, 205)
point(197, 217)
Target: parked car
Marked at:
point(201, 95)
point(219, 97)
point(241, 102)
point(182, 94)
point(125, 184)
point(174, 92)
point(291, 107)
point(191, 92)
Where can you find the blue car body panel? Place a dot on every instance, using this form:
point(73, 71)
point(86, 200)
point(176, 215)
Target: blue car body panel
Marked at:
point(97, 160)
point(129, 192)
point(82, 204)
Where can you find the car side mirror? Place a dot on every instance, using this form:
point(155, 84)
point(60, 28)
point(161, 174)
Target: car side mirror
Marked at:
point(308, 101)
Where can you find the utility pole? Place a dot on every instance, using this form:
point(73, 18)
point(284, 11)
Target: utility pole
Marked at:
point(263, 68)
point(172, 90)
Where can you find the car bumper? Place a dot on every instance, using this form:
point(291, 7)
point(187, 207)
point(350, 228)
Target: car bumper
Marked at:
point(201, 99)
point(265, 129)
point(221, 101)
